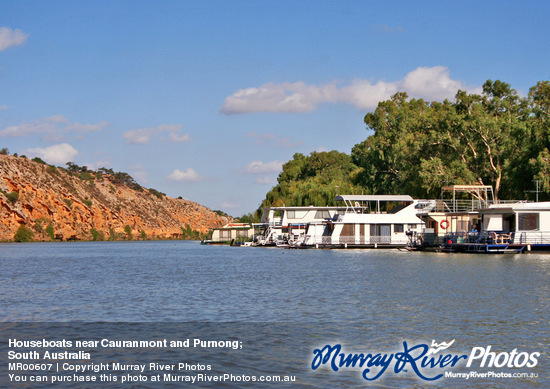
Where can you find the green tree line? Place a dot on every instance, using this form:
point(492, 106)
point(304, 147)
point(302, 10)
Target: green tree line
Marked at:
point(415, 147)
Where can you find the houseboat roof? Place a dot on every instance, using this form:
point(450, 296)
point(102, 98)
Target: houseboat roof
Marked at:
point(374, 198)
point(303, 207)
point(520, 206)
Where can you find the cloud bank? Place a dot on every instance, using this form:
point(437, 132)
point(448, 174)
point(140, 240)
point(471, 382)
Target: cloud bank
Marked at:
point(264, 171)
point(430, 83)
point(52, 128)
point(10, 38)
point(143, 135)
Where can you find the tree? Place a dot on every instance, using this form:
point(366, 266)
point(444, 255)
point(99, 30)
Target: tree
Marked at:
point(313, 180)
point(417, 146)
point(539, 98)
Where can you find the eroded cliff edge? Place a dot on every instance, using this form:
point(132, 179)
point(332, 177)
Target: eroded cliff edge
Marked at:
point(56, 203)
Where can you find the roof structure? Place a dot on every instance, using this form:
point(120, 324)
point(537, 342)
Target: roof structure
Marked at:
point(374, 198)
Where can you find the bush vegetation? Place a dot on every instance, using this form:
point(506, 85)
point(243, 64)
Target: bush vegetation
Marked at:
point(23, 234)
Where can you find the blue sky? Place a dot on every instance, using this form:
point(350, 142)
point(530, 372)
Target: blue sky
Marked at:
point(207, 99)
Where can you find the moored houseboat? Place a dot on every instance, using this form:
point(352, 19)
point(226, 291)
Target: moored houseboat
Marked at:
point(231, 234)
point(281, 225)
point(366, 221)
point(510, 227)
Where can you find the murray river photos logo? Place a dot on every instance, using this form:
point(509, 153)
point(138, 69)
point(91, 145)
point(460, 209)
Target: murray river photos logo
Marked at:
point(427, 362)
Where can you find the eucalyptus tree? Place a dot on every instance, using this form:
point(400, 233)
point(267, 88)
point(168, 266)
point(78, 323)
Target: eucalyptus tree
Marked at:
point(539, 98)
point(418, 146)
point(313, 180)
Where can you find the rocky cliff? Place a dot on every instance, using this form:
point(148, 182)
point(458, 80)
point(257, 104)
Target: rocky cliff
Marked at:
point(57, 203)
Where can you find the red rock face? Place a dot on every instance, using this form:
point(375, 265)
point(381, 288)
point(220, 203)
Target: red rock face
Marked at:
point(74, 206)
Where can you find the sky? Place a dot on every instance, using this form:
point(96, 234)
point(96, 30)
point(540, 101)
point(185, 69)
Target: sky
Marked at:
point(208, 99)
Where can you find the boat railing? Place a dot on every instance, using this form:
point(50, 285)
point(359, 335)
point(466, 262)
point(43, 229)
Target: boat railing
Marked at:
point(499, 237)
point(353, 240)
point(533, 237)
point(459, 205)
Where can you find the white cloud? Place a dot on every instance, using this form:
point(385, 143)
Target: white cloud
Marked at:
point(56, 154)
point(99, 164)
point(286, 97)
point(78, 127)
point(259, 167)
point(10, 38)
point(52, 127)
point(189, 175)
point(144, 135)
point(424, 82)
point(140, 136)
point(176, 137)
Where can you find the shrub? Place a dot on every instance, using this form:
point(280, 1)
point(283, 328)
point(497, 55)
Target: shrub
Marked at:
point(39, 160)
point(12, 196)
point(157, 193)
point(128, 231)
point(52, 169)
point(38, 226)
point(50, 232)
point(189, 233)
point(23, 234)
point(97, 235)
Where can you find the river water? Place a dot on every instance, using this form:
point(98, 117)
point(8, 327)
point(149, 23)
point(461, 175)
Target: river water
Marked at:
point(282, 305)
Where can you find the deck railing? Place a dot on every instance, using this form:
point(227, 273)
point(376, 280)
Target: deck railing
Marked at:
point(494, 237)
point(461, 205)
point(353, 240)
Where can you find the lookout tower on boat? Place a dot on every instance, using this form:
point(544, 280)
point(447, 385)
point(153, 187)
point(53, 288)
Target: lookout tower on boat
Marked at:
point(480, 196)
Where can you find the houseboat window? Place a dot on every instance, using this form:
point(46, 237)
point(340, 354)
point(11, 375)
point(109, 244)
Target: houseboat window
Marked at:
point(225, 234)
point(528, 221)
point(462, 225)
point(348, 230)
point(322, 215)
point(398, 228)
point(412, 227)
point(242, 233)
point(296, 214)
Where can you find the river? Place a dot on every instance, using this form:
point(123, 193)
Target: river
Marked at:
point(282, 305)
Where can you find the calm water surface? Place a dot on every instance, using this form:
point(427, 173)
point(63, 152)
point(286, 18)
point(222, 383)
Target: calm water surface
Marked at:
point(366, 298)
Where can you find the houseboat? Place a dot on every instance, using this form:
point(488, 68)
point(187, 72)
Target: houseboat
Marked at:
point(279, 225)
point(232, 234)
point(455, 212)
point(509, 227)
point(366, 221)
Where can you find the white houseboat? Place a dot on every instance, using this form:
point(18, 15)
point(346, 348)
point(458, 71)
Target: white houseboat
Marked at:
point(232, 233)
point(366, 221)
point(279, 225)
point(515, 227)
